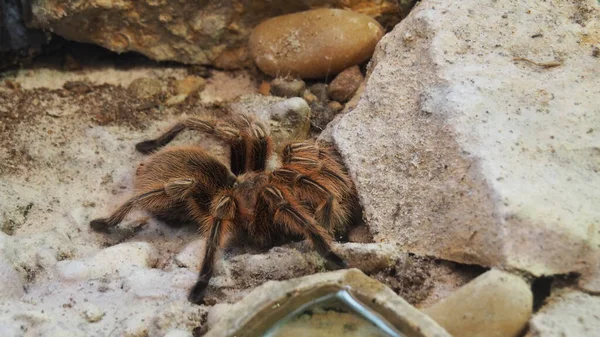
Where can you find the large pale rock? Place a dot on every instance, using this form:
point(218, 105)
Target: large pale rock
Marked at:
point(567, 314)
point(495, 304)
point(476, 138)
point(201, 32)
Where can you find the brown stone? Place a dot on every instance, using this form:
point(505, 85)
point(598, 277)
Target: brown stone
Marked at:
point(189, 85)
point(287, 88)
point(194, 32)
point(144, 87)
point(345, 85)
point(314, 44)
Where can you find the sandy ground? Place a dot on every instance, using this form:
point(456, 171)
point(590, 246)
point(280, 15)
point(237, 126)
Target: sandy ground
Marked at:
point(67, 157)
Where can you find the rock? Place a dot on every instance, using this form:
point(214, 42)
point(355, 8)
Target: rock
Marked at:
point(320, 90)
point(217, 312)
point(495, 304)
point(314, 44)
point(189, 85)
point(472, 142)
point(568, 313)
point(117, 259)
point(321, 115)
point(31, 255)
point(176, 100)
point(92, 314)
point(335, 106)
point(274, 300)
point(265, 88)
point(191, 255)
point(193, 32)
point(345, 84)
point(287, 88)
point(287, 119)
point(291, 118)
point(309, 97)
point(144, 87)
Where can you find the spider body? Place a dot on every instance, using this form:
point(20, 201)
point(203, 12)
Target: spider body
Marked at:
point(308, 194)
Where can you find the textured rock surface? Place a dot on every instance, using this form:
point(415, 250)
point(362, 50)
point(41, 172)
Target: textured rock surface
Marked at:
point(567, 314)
point(313, 44)
point(202, 32)
point(345, 84)
point(475, 139)
point(495, 304)
point(287, 119)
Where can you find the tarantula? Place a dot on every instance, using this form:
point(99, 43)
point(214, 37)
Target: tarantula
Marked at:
point(308, 195)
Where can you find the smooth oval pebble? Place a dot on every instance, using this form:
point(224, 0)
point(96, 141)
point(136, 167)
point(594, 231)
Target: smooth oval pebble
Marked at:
point(315, 43)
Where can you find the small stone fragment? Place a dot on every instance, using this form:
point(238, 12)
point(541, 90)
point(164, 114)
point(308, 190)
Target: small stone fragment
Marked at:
point(315, 43)
point(287, 88)
point(232, 59)
point(335, 106)
point(92, 314)
point(495, 304)
point(144, 87)
point(290, 120)
point(309, 97)
point(345, 85)
point(322, 114)
point(176, 100)
point(320, 90)
point(189, 85)
point(113, 260)
point(265, 88)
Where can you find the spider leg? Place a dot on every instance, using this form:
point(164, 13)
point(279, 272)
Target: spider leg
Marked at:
point(319, 193)
point(224, 210)
point(288, 213)
point(249, 142)
point(175, 190)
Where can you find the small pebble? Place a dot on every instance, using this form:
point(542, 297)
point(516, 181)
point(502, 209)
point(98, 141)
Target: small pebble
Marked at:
point(265, 88)
point(176, 100)
point(320, 90)
point(144, 87)
point(314, 44)
point(189, 85)
point(92, 314)
point(345, 85)
point(309, 97)
point(335, 106)
point(290, 120)
point(322, 114)
point(287, 87)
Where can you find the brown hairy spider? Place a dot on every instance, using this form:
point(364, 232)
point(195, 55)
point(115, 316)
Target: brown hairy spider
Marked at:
point(309, 195)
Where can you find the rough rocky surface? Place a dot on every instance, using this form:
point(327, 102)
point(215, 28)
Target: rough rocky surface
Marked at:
point(486, 148)
point(345, 84)
point(495, 304)
point(199, 32)
point(313, 44)
point(568, 314)
point(287, 119)
point(68, 157)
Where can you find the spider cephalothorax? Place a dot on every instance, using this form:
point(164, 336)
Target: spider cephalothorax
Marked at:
point(308, 194)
